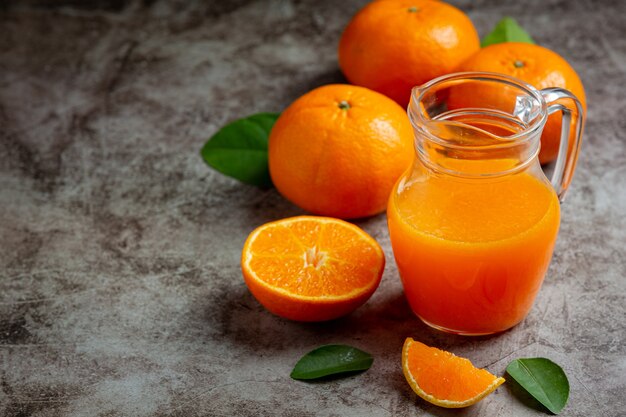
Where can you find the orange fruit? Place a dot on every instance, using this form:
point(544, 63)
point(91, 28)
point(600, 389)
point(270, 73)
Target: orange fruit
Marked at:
point(309, 268)
point(338, 150)
point(539, 67)
point(391, 46)
point(443, 379)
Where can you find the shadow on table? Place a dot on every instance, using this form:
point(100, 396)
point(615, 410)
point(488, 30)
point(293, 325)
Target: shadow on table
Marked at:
point(381, 325)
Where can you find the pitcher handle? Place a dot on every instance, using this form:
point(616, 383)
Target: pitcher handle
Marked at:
point(569, 145)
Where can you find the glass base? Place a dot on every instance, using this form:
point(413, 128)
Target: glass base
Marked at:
point(458, 332)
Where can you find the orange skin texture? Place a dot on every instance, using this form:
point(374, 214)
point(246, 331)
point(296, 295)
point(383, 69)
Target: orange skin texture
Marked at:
point(305, 311)
point(340, 162)
point(390, 49)
point(542, 68)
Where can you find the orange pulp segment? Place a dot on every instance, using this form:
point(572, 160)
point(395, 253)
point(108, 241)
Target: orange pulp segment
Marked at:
point(443, 379)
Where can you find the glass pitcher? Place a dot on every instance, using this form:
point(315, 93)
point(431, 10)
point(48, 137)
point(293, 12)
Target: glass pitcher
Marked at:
point(474, 221)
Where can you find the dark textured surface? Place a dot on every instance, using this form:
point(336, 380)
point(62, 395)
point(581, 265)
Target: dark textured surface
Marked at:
point(120, 287)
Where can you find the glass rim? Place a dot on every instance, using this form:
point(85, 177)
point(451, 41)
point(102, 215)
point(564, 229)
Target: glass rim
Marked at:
point(418, 93)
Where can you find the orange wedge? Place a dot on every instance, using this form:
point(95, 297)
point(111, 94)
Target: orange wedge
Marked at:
point(443, 379)
point(310, 268)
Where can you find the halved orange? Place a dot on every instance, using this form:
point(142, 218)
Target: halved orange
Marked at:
point(443, 379)
point(310, 268)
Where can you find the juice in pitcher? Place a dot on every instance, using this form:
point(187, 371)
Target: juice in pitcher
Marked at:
point(474, 222)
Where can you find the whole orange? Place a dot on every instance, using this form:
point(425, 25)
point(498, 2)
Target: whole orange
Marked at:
point(338, 150)
point(538, 66)
point(391, 46)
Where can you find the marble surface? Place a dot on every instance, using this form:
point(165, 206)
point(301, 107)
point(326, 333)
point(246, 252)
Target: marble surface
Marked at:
point(120, 287)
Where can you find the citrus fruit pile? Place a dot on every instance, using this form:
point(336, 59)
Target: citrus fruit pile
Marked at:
point(337, 152)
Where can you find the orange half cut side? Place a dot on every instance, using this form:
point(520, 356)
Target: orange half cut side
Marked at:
point(310, 268)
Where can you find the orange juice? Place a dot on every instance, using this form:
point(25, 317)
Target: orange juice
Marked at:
point(472, 254)
point(474, 222)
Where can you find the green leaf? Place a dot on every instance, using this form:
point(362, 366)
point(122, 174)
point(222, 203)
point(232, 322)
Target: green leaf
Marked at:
point(507, 30)
point(239, 149)
point(331, 360)
point(543, 379)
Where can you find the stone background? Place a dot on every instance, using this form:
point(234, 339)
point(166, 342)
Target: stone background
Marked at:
point(120, 287)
